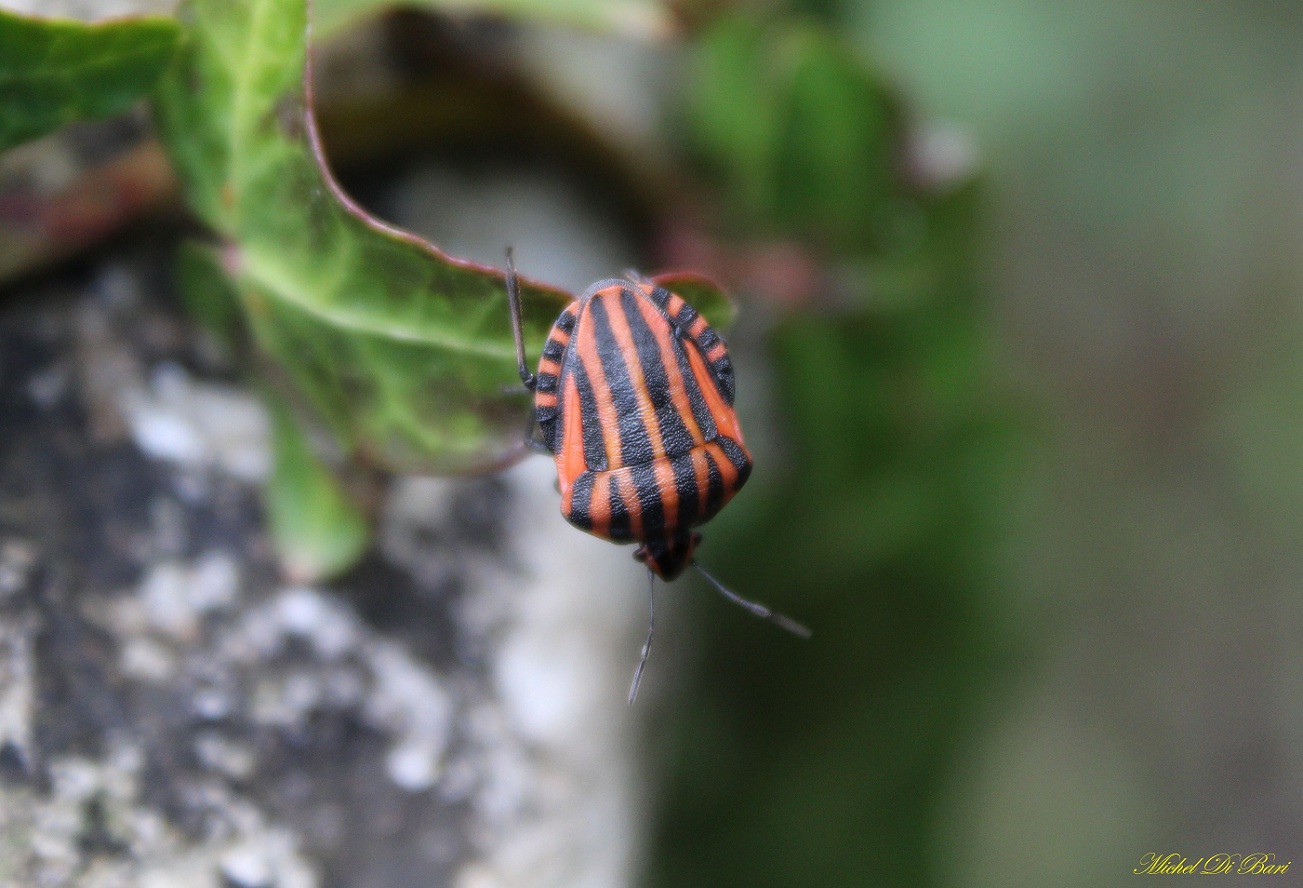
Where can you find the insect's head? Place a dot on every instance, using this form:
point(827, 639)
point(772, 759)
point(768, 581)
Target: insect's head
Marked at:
point(668, 557)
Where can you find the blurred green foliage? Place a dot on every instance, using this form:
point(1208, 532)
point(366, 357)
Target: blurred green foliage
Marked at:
point(55, 71)
point(207, 291)
point(641, 18)
point(877, 529)
point(318, 531)
point(768, 114)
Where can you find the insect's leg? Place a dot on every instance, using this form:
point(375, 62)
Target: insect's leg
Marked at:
point(651, 628)
point(755, 607)
point(517, 324)
point(533, 441)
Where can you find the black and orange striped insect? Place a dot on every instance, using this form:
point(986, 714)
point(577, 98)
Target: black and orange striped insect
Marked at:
point(634, 399)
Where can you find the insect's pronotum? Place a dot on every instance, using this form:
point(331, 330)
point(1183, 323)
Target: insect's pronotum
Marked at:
point(634, 399)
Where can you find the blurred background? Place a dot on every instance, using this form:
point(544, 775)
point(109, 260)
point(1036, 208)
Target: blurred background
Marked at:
point(1020, 360)
point(1055, 614)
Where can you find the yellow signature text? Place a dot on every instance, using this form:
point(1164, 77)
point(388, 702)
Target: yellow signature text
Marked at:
point(1259, 863)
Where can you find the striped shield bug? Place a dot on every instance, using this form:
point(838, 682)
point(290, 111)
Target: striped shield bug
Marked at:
point(634, 399)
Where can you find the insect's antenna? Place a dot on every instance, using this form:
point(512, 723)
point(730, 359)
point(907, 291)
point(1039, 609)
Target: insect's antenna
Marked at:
point(755, 607)
point(651, 628)
point(517, 324)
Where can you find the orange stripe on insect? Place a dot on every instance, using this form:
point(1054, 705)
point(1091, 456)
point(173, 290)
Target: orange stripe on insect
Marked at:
point(701, 470)
point(570, 445)
point(725, 418)
point(623, 489)
point(607, 419)
point(663, 471)
point(599, 507)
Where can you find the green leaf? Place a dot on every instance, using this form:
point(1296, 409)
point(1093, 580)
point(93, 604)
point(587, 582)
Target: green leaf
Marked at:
point(803, 136)
point(732, 118)
point(206, 291)
point(55, 71)
point(837, 154)
point(317, 530)
point(406, 352)
point(633, 18)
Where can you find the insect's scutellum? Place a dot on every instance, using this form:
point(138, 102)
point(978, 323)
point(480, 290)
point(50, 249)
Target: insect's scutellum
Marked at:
point(634, 398)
